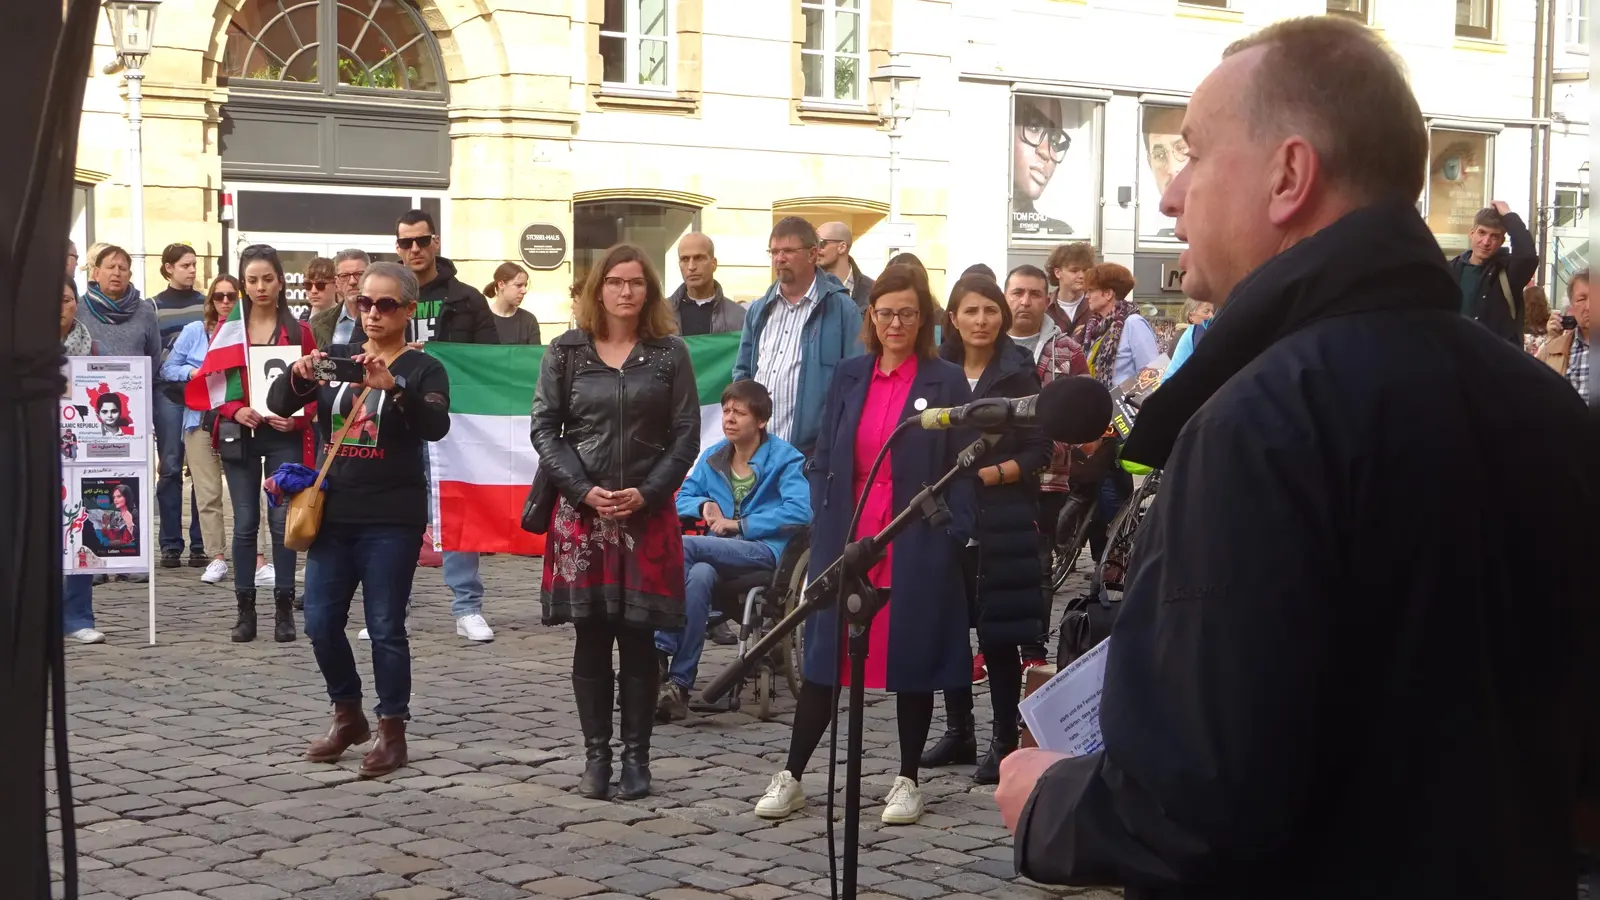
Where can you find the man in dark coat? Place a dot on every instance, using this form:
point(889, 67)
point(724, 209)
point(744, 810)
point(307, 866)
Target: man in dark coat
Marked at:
point(1341, 669)
point(450, 310)
point(1493, 275)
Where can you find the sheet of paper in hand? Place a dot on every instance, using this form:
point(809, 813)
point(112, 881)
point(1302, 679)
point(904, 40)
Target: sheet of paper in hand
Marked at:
point(1064, 715)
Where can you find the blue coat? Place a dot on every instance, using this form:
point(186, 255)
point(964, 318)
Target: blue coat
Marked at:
point(777, 506)
point(831, 333)
point(928, 643)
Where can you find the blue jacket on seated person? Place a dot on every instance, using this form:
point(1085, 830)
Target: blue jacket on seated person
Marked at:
point(777, 506)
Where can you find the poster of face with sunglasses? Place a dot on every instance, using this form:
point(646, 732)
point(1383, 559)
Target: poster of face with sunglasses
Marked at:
point(1053, 181)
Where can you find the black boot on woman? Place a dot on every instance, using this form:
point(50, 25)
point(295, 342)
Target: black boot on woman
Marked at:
point(959, 746)
point(593, 696)
point(638, 720)
point(283, 617)
point(988, 771)
point(244, 630)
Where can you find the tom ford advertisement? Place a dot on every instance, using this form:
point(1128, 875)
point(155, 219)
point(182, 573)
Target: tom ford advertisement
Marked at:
point(1053, 177)
point(1458, 183)
point(1163, 154)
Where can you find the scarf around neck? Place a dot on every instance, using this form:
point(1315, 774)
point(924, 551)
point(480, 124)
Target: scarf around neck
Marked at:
point(1380, 257)
point(109, 311)
point(1104, 336)
point(78, 342)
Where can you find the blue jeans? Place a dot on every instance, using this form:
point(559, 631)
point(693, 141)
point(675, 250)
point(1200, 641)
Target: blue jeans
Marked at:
point(381, 559)
point(169, 480)
point(77, 603)
point(266, 449)
point(705, 558)
point(466, 587)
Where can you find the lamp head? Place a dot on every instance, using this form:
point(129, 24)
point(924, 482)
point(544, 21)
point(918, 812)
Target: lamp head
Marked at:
point(132, 28)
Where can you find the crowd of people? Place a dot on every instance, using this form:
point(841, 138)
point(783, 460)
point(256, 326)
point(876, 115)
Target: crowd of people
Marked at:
point(830, 360)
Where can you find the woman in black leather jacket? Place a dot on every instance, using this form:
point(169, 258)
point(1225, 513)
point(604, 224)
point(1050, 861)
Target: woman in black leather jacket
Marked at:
point(616, 422)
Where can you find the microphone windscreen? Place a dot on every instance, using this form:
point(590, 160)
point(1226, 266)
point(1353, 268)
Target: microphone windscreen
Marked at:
point(1073, 410)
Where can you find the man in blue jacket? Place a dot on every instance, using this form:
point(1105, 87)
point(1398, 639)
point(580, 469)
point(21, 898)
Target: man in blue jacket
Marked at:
point(797, 332)
point(751, 490)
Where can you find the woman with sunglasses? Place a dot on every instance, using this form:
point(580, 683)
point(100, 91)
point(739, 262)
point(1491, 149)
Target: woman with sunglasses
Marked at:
point(919, 642)
point(268, 442)
point(374, 510)
point(199, 428)
point(616, 423)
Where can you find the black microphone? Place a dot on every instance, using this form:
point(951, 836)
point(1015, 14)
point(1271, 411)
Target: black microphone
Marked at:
point(1072, 410)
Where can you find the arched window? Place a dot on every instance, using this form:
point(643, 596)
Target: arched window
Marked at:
point(369, 45)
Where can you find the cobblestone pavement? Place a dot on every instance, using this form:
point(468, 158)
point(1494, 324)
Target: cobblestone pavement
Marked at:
point(189, 782)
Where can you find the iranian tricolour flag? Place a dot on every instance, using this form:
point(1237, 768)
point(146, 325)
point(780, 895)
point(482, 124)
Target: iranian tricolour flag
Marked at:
point(218, 379)
point(485, 465)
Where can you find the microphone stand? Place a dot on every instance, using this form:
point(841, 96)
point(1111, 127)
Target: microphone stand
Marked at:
point(844, 583)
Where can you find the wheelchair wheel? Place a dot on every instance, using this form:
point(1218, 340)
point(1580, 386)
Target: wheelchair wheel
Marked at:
point(766, 686)
point(793, 648)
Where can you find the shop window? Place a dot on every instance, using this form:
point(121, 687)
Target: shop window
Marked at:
point(337, 46)
point(1054, 168)
point(636, 44)
point(1163, 153)
point(1360, 10)
point(833, 60)
point(1475, 19)
point(1459, 179)
point(1572, 206)
point(651, 226)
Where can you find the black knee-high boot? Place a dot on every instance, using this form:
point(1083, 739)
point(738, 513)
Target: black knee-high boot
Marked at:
point(593, 696)
point(638, 721)
point(959, 746)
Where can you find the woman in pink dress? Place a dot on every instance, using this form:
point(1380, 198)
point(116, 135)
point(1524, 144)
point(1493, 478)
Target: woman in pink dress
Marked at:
point(918, 642)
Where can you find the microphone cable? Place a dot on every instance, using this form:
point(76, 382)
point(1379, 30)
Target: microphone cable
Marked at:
point(839, 637)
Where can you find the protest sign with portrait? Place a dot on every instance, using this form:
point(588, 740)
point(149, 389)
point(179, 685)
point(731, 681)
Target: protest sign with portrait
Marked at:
point(268, 364)
point(105, 414)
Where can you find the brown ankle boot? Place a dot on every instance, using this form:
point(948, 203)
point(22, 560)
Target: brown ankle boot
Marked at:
point(389, 752)
point(348, 729)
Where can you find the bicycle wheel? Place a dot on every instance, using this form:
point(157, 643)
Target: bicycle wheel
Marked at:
point(1072, 533)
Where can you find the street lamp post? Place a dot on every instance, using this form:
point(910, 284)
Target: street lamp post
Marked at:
point(894, 86)
point(133, 25)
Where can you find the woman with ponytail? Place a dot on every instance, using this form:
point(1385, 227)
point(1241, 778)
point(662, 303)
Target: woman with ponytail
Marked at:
point(515, 324)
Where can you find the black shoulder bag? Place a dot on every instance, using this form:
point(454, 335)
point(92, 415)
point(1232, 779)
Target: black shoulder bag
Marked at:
point(541, 502)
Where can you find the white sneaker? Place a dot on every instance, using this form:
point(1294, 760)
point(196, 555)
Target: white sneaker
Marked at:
point(474, 628)
point(363, 636)
point(267, 576)
point(784, 797)
point(903, 806)
point(87, 636)
point(215, 572)
point(300, 574)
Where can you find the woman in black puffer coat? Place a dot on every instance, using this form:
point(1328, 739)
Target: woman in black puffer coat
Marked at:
point(1004, 587)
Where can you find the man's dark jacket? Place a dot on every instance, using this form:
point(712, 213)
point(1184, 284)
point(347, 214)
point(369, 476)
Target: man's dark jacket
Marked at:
point(726, 315)
point(861, 287)
point(1518, 259)
point(463, 315)
point(1355, 655)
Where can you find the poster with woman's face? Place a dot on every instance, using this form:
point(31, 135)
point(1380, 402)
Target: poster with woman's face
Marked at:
point(1053, 177)
point(104, 519)
point(267, 365)
point(107, 408)
point(1163, 154)
point(1458, 184)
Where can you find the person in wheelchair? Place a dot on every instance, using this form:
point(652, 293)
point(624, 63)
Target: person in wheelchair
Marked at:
point(751, 490)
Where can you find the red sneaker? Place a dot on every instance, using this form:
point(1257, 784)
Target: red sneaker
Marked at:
point(980, 669)
point(1030, 664)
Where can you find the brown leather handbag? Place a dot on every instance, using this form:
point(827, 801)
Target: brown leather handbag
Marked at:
point(303, 519)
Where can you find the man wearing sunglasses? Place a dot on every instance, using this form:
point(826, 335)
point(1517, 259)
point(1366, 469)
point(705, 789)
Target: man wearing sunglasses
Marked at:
point(449, 310)
point(1038, 146)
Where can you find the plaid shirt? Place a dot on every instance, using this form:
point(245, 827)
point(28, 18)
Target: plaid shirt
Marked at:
point(1059, 357)
point(1578, 365)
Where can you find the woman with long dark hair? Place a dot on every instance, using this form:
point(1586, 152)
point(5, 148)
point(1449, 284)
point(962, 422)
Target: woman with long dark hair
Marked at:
point(919, 641)
point(616, 422)
point(515, 324)
point(199, 429)
point(1008, 610)
point(269, 441)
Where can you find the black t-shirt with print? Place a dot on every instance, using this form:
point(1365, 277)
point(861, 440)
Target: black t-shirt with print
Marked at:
point(380, 476)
